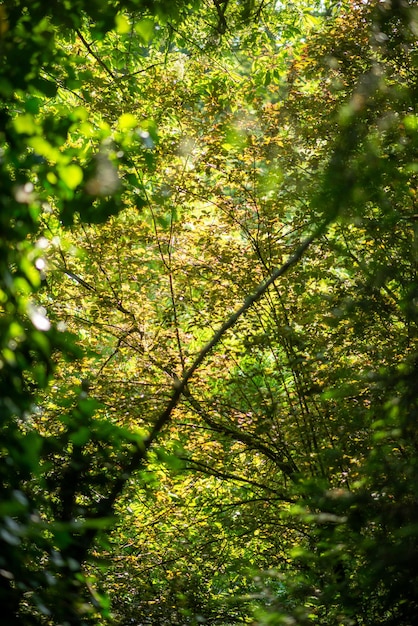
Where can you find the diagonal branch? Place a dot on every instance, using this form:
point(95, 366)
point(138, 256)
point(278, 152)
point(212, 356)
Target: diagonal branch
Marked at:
point(199, 466)
point(252, 442)
point(93, 54)
point(138, 458)
point(180, 386)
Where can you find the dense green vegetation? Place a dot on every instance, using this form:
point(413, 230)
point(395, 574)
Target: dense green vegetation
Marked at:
point(209, 307)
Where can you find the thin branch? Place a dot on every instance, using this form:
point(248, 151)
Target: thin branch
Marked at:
point(93, 54)
point(181, 385)
point(138, 458)
point(211, 471)
point(123, 77)
point(116, 304)
point(251, 441)
point(79, 280)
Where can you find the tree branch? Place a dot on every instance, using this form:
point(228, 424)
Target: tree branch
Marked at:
point(93, 54)
point(212, 471)
point(181, 385)
point(288, 466)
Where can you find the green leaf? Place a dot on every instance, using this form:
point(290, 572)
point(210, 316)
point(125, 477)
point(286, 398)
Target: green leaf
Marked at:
point(71, 175)
point(145, 29)
point(122, 24)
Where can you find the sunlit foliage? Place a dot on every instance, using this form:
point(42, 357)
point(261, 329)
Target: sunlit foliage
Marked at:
point(209, 308)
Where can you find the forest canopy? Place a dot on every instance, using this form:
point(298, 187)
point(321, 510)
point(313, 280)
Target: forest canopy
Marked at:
point(209, 307)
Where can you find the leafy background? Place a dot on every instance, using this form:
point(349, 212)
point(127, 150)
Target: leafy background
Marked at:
point(171, 455)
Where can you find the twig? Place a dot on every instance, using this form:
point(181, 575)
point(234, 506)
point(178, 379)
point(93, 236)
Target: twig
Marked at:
point(93, 54)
